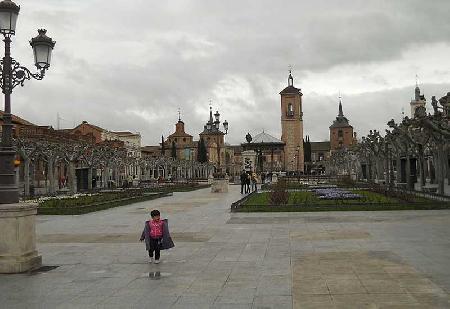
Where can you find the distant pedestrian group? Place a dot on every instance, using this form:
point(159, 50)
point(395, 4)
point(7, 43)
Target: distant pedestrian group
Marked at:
point(249, 182)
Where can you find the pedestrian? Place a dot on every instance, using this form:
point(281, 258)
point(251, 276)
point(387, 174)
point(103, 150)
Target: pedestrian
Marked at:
point(254, 182)
point(156, 235)
point(243, 178)
point(247, 182)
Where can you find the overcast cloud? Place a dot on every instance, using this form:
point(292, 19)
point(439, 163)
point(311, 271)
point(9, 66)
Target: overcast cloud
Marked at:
point(129, 65)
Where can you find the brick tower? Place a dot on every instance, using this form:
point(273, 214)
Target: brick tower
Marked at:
point(341, 132)
point(292, 126)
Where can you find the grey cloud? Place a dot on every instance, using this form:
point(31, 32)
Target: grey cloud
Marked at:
point(117, 62)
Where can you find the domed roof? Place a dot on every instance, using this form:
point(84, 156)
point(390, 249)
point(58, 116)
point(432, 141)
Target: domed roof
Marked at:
point(264, 138)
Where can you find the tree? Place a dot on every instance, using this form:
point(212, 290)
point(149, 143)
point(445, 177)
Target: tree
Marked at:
point(202, 155)
point(163, 148)
point(173, 153)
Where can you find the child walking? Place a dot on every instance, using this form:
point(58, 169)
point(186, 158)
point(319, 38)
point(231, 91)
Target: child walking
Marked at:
point(156, 235)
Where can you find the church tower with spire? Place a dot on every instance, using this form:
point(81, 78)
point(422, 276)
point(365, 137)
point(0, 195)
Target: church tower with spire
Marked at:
point(418, 101)
point(341, 132)
point(292, 126)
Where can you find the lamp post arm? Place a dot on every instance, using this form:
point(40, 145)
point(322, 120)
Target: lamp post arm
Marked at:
point(19, 74)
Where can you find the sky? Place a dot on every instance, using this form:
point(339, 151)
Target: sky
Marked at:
point(130, 65)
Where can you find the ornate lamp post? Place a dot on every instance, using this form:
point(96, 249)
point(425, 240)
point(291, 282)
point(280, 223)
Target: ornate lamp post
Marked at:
point(17, 220)
point(225, 127)
point(12, 75)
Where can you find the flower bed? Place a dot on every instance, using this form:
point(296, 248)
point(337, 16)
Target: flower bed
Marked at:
point(336, 194)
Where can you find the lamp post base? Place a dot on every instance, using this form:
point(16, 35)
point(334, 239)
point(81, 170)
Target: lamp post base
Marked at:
point(9, 193)
point(18, 238)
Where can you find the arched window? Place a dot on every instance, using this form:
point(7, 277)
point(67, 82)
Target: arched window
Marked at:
point(290, 110)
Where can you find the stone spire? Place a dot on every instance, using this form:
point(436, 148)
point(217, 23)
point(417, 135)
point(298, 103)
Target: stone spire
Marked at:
point(341, 121)
point(341, 113)
point(417, 90)
point(210, 114)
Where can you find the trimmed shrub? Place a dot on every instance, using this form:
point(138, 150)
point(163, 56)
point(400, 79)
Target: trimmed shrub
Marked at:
point(279, 194)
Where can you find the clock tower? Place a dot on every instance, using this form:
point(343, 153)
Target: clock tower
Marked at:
point(292, 126)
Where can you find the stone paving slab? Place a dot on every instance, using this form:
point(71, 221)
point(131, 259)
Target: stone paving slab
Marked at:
point(240, 260)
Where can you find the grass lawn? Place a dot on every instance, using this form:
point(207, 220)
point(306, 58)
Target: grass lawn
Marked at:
point(305, 197)
point(308, 201)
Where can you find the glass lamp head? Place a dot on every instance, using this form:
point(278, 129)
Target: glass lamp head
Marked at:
point(225, 126)
point(42, 49)
point(9, 11)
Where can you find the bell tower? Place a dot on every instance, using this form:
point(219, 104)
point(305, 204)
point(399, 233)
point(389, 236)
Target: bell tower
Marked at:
point(292, 126)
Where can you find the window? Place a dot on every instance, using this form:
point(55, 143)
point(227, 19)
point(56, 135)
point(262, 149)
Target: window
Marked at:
point(290, 110)
point(184, 139)
point(340, 133)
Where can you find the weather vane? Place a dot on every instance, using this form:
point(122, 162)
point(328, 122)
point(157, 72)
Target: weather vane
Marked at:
point(290, 68)
point(179, 114)
point(417, 80)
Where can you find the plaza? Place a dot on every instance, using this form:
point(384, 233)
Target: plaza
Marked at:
point(395, 259)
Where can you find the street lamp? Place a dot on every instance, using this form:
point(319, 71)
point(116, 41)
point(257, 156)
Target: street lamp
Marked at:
point(225, 126)
point(298, 160)
point(12, 75)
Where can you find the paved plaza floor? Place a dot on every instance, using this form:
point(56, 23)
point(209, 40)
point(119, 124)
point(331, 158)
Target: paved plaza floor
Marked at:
point(222, 260)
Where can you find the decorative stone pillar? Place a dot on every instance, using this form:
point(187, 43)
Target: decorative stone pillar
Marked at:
point(18, 238)
point(249, 160)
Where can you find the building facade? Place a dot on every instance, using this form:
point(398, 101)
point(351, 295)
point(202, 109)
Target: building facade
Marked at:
point(214, 139)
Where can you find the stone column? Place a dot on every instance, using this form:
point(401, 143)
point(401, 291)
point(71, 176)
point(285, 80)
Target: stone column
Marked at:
point(18, 241)
point(441, 171)
point(398, 165)
point(50, 176)
point(408, 173)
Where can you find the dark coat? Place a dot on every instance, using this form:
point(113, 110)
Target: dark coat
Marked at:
point(166, 243)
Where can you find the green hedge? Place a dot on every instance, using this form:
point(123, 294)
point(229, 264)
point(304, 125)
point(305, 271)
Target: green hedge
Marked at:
point(348, 207)
point(105, 200)
point(309, 198)
point(82, 209)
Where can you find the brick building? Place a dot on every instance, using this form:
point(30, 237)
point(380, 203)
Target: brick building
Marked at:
point(341, 132)
point(183, 142)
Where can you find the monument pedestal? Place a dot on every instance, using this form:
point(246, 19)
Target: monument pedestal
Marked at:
point(220, 185)
point(18, 238)
point(249, 160)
